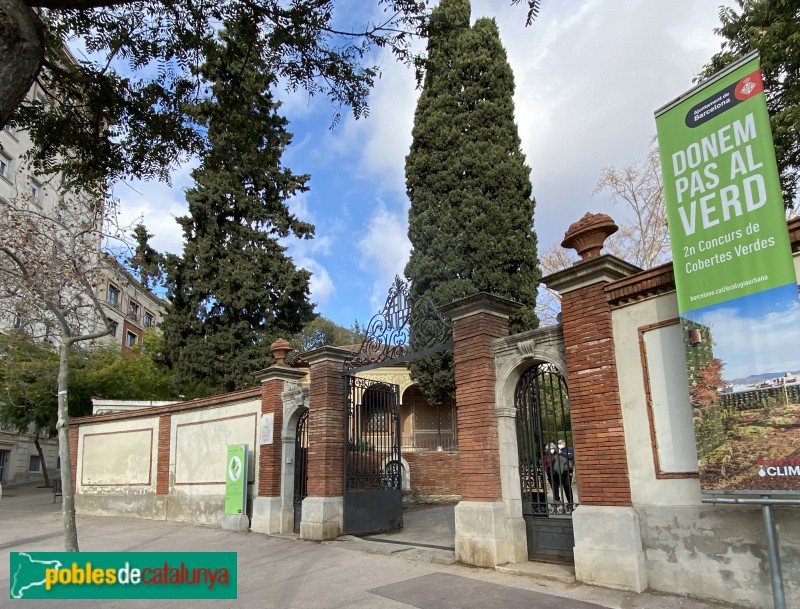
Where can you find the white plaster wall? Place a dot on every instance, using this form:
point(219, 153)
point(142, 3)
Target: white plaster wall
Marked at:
point(720, 552)
point(200, 442)
point(117, 456)
point(709, 551)
point(797, 265)
point(118, 459)
point(112, 456)
point(669, 397)
point(646, 489)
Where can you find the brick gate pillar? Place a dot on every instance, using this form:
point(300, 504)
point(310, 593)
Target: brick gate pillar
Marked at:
point(323, 509)
point(608, 547)
point(489, 531)
point(272, 511)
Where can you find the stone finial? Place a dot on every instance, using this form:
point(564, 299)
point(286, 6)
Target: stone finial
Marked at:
point(587, 235)
point(279, 350)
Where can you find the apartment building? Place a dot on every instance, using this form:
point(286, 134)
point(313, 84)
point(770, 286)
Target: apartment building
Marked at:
point(129, 305)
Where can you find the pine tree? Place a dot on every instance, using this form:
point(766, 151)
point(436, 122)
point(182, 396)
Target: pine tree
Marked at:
point(471, 215)
point(234, 290)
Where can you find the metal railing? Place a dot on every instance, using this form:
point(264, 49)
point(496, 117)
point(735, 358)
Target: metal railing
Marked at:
point(430, 441)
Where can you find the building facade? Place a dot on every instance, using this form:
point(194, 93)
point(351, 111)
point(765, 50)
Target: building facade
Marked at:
point(131, 308)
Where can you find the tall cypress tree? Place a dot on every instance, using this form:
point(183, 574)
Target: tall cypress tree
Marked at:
point(471, 215)
point(234, 290)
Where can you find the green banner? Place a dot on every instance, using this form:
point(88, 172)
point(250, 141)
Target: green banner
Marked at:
point(122, 575)
point(723, 197)
point(735, 281)
point(236, 479)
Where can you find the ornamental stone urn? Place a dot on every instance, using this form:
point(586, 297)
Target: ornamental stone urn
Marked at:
point(279, 350)
point(587, 235)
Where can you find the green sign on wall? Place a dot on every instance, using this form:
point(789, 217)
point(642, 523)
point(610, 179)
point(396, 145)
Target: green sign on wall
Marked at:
point(735, 280)
point(236, 479)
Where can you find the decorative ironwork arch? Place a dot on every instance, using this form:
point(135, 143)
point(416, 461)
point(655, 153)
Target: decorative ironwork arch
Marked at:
point(390, 337)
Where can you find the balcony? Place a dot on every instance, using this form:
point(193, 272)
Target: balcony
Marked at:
point(429, 440)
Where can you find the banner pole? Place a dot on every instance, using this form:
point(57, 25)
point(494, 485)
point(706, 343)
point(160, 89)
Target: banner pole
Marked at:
point(779, 599)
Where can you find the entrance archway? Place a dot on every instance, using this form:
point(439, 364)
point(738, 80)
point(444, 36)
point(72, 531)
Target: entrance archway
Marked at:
point(546, 462)
point(300, 468)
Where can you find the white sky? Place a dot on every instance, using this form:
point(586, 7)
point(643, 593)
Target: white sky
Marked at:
point(589, 75)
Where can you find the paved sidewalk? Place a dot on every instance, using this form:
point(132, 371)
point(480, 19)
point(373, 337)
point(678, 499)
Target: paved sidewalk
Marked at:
point(287, 573)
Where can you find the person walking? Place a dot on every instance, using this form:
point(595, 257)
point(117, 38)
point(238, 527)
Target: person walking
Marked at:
point(548, 462)
point(565, 466)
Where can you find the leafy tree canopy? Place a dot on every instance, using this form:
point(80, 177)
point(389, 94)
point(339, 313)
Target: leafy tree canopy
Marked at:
point(122, 100)
point(108, 373)
point(321, 332)
point(29, 379)
point(773, 28)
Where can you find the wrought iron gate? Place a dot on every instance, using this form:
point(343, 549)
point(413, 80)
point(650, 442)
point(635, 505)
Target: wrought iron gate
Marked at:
point(546, 469)
point(300, 468)
point(373, 498)
point(373, 470)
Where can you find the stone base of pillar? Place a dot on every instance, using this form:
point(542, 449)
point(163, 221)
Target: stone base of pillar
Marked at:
point(270, 517)
point(323, 518)
point(608, 548)
point(486, 536)
point(234, 522)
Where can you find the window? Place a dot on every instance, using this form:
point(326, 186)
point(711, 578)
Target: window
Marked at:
point(114, 325)
point(133, 310)
point(48, 334)
point(33, 463)
point(5, 166)
point(36, 192)
point(11, 129)
point(113, 295)
point(149, 319)
point(130, 339)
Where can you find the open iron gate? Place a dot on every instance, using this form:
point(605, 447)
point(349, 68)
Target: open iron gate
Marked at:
point(300, 468)
point(405, 330)
point(373, 500)
point(546, 471)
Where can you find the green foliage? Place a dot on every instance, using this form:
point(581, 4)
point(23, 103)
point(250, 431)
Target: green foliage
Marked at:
point(471, 215)
point(123, 109)
point(29, 379)
point(28, 387)
point(321, 331)
point(773, 28)
point(122, 106)
point(234, 290)
point(108, 373)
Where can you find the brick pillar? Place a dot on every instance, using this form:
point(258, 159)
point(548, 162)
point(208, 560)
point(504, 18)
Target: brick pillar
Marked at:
point(597, 428)
point(323, 509)
point(272, 508)
point(73, 454)
point(269, 458)
point(487, 533)
point(162, 466)
point(608, 546)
